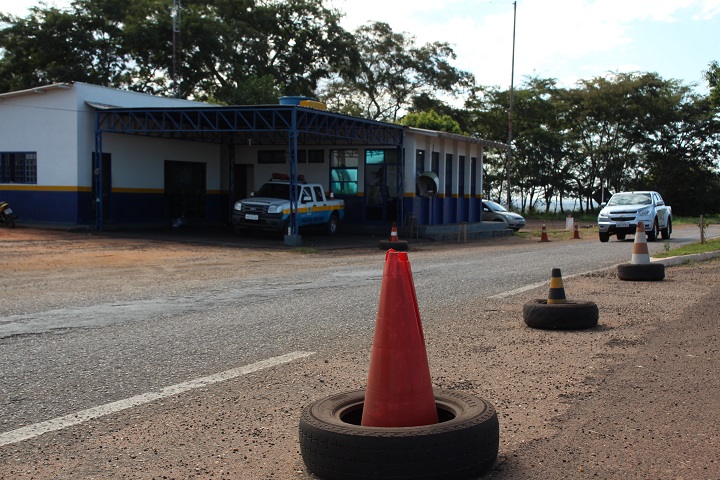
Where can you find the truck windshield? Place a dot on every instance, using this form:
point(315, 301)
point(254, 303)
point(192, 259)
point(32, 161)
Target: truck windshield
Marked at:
point(630, 199)
point(275, 190)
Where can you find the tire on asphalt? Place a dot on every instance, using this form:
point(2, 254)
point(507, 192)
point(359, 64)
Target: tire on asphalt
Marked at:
point(667, 231)
point(621, 236)
point(560, 316)
point(604, 236)
point(641, 272)
point(652, 235)
point(462, 446)
point(399, 245)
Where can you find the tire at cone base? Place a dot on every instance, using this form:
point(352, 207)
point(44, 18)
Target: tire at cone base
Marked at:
point(560, 316)
point(397, 245)
point(462, 446)
point(641, 272)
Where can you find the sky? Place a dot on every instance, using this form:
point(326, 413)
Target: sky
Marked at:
point(567, 40)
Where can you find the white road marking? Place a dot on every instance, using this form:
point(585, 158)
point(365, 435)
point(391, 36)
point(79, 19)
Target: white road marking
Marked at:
point(32, 431)
point(533, 286)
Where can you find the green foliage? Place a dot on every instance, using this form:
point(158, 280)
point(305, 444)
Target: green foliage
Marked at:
point(625, 131)
point(392, 71)
point(232, 51)
point(432, 121)
point(711, 245)
point(712, 75)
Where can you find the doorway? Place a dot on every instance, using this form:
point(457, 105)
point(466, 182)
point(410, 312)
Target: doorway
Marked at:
point(382, 185)
point(185, 189)
point(105, 181)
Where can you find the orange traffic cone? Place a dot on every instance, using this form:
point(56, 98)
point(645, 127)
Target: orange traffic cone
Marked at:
point(557, 288)
point(399, 390)
point(393, 234)
point(576, 232)
point(640, 253)
point(544, 237)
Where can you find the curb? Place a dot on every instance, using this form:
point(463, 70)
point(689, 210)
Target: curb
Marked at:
point(681, 259)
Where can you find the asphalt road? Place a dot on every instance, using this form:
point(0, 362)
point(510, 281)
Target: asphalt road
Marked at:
point(56, 362)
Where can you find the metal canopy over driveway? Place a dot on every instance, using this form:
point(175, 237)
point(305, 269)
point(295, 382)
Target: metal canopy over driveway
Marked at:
point(289, 125)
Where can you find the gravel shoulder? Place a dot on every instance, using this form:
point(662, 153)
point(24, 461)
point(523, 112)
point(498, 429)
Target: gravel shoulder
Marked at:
point(635, 397)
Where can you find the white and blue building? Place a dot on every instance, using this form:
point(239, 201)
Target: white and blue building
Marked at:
point(78, 154)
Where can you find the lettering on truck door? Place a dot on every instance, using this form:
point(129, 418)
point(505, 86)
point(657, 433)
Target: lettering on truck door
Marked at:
point(321, 215)
point(305, 212)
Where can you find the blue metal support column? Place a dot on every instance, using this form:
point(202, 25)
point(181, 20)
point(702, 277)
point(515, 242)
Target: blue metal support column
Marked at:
point(293, 236)
point(231, 181)
point(98, 176)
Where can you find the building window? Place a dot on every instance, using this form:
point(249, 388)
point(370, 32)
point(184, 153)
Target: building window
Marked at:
point(344, 171)
point(473, 176)
point(461, 176)
point(448, 175)
point(271, 156)
point(311, 156)
point(18, 167)
point(419, 168)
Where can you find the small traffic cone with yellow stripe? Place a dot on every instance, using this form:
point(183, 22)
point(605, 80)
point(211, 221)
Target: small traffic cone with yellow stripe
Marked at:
point(557, 289)
point(544, 235)
point(557, 312)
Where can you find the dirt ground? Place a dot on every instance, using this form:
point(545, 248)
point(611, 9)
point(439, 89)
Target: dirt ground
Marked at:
point(636, 397)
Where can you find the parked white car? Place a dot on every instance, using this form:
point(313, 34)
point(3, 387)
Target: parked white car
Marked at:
point(621, 214)
point(494, 212)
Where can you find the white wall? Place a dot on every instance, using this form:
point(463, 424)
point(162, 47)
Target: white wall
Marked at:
point(139, 162)
point(45, 123)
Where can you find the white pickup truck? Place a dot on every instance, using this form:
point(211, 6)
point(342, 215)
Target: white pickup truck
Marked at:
point(269, 207)
point(621, 214)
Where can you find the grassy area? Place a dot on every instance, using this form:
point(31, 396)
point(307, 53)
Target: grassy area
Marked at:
point(712, 220)
point(711, 245)
point(558, 233)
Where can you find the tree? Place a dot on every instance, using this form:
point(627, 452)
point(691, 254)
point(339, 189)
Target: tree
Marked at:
point(52, 45)
point(712, 75)
point(432, 121)
point(232, 51)
point(393, 72)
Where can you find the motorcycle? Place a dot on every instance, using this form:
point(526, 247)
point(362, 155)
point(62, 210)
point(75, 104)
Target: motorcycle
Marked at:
point(6, 215)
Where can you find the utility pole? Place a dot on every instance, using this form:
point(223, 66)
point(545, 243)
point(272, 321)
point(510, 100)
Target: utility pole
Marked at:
point(176, 17)
point(510, 112)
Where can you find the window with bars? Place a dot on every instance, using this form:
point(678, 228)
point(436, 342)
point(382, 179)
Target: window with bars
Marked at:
point(18, 167)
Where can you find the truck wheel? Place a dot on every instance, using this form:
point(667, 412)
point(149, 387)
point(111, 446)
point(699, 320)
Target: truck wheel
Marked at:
point(653, 234)
point(332, 225)
point(463, 445)
point(604, 236)
point(560, 316)
point(641, 272)
point(667, 231)
point(621, 236)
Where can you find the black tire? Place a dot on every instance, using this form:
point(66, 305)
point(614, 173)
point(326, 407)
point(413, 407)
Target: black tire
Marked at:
point(604, 236)
point(399, 245)
point(652, 235)
point(560, 316)
point(641, 271)
point(332, 225)
point(462, 446)
point(8, 219)
point(667, 231)
point(621, 236)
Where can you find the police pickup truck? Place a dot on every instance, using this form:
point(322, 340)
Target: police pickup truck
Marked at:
point(621, 214)
point(269, 207)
